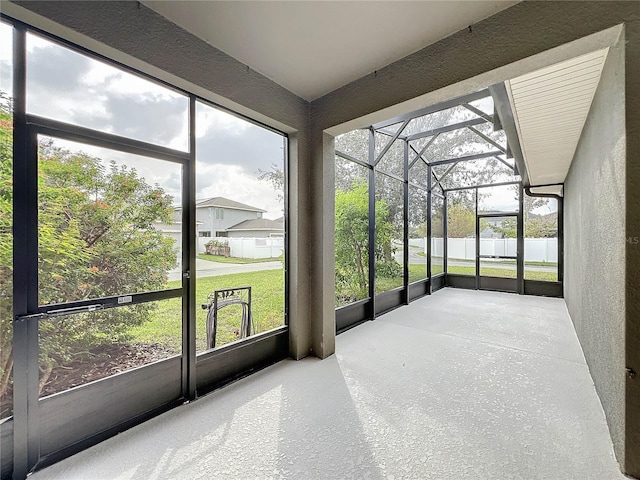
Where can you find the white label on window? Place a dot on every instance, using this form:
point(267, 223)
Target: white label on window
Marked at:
point(126, 299)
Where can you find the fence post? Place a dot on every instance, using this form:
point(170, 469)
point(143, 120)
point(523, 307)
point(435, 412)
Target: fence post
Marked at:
point(546, 250)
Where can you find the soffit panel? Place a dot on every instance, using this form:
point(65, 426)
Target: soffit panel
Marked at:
point(550, 107)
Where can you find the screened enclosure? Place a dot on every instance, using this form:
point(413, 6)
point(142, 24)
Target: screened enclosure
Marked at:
point(433, 198)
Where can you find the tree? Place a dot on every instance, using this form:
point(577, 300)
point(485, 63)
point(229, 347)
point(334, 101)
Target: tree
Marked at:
point(535, 226)
point(541, 226)
point(461, 222)
point(96, 238)
point(507, 228)
point(352, 242)
point(6, 245)
point(275, 176)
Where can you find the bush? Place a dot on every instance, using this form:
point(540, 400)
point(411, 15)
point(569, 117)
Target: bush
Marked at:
point(96, 237)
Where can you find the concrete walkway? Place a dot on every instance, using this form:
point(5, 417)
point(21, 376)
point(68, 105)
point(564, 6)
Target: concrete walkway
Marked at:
point(206, 268)
point(458, 385)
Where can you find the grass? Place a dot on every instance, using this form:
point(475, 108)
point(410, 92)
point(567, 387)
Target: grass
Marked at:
point(419, 272)
point(267, 288)
point(221, 259)
point(504, 273)
point(530, 263)
point(505, 262)
point(416, 272)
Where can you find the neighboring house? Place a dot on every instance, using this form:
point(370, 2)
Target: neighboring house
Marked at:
point(218, 214)
point(222, 217)
point(261, 227)
point(489, 232)
point(173, 228)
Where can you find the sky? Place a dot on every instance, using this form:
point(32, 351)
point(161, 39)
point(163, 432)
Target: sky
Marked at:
point(73, 88)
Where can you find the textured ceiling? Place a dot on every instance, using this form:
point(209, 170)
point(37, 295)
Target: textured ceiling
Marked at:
point(314, 47)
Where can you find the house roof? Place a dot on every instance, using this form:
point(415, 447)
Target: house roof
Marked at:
point(552, 217)
point(223, 202)
point(258, 224)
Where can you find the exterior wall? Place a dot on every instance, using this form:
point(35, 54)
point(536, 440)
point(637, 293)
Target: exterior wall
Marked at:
point(323, 252)
point(632, 224)
point(594, 274)
point(231, 217)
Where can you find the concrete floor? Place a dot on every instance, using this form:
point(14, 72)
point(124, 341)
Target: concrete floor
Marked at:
point(462, 384)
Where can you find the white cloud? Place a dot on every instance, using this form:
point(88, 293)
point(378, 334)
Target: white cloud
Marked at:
point(6, 42)
point(6, 59)
point(36, 41)
point(209, 119)
point(113, 80)
point(235, 183)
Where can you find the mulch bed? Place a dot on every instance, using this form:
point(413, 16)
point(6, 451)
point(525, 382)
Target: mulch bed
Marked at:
point(102, 362)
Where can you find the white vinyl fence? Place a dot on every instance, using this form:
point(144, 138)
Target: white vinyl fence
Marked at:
point(268, 247)
point(535, 249)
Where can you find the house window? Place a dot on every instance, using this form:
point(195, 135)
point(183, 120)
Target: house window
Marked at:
point(204, 234)
point(222, 234)
point(259, 215)
point(219, 213)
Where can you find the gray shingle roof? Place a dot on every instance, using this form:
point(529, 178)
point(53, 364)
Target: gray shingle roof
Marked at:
point(222, 202)
point(257, 224)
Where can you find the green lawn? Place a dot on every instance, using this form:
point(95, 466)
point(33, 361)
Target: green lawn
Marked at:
point(419, 272)
point(504, 273)
point(267, 288)
point(532, 264)
point(221, 259)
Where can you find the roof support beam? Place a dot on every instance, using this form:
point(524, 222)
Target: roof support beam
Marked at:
point(385, 132)
point(444, 175)
point(447, 128)
point(477, 111)
point(433, 108)
point(346, 156)
point(393, 139)
point(424, 149)
point(511, 167)
point(467, 158)
point(503, 109)
point(488, 139)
